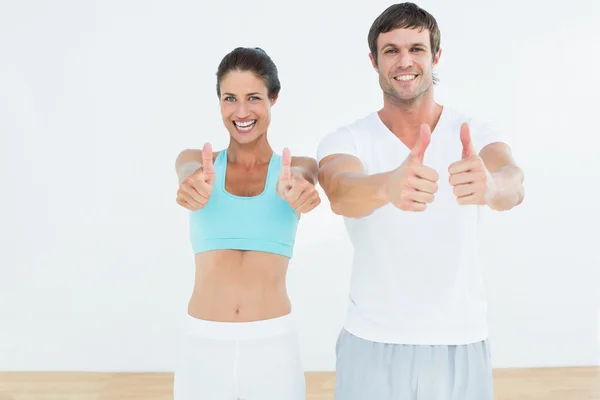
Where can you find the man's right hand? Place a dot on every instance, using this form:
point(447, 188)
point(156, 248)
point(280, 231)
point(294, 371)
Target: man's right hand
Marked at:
point(412, 185)
point(195, 190)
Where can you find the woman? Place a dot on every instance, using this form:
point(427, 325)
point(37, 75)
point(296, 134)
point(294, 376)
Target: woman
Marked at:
point(245, 202)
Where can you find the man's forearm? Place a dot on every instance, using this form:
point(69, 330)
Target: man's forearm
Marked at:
point(509, 184)
point(355, 195)
point(304, 173)
point(187, 169)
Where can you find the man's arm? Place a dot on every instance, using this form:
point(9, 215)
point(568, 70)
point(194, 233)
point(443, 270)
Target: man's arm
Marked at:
point(306, 168)
point(508, 177)
point(350, 191)
point(187, 162)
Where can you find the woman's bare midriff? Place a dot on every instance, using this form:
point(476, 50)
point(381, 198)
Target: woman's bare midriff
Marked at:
point(239, 286)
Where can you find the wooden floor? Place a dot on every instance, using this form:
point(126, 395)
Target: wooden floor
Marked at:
point(511, 384)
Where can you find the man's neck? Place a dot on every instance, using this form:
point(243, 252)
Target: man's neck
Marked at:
point(404, 119)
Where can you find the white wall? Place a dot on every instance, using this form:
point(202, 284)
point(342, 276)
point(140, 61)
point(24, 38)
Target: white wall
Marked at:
point(97, 99)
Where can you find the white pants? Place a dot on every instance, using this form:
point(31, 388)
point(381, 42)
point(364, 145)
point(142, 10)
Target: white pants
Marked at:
point(240, 360)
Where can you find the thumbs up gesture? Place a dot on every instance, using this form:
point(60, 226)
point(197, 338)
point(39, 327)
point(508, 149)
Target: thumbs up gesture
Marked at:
point(472, 182)
point(301, 195)
point(195, 190)
point(412, 185)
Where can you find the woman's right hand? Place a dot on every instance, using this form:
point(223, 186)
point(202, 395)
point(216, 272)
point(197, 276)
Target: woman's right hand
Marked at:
point(195, 190)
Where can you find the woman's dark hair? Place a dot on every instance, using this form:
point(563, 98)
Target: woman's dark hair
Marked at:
point(254, 60)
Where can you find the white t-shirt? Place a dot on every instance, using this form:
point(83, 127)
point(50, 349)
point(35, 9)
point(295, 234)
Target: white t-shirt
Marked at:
point(415, 275)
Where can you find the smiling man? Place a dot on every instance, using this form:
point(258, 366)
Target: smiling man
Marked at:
point(410, 180)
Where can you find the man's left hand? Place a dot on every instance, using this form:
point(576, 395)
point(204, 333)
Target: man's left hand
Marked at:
point(472, 182)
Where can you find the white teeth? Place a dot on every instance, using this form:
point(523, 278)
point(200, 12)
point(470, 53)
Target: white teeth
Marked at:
point(245, 123)
point(245, 126)
point(405, 77)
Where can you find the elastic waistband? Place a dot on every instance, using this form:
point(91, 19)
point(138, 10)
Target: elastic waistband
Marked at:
point(241, 330)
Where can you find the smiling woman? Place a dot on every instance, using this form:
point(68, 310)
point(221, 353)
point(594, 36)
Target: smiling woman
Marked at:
point(245, 202)
point(248, 86)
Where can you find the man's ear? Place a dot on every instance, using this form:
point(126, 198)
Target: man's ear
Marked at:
point(373, 62)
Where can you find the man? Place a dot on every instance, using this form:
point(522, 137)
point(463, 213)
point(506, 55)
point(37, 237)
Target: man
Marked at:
point(410, 181)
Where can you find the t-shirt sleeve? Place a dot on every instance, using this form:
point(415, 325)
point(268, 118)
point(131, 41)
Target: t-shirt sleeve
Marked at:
point(340, 141)
point(483, 134)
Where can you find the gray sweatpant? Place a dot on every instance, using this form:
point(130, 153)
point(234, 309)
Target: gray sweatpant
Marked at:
point(368, 370)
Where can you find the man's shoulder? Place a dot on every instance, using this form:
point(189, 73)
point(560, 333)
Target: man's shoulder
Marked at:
point(454, 118)
point(362, 123)
point(348, 138)
point(356, 127)
point(482, 129)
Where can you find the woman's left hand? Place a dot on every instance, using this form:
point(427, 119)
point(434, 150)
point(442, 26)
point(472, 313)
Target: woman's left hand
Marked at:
point(292, 187)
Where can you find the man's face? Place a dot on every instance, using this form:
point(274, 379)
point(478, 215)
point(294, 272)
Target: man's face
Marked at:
point(405, 63)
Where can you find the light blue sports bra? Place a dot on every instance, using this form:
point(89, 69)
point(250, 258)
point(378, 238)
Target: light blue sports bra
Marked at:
point(262, 223)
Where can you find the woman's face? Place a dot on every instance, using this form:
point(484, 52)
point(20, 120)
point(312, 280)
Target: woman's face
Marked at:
point(245, 106)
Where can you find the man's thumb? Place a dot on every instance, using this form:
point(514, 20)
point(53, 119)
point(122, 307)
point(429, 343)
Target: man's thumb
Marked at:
point(423, 140)
point(465, 138)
